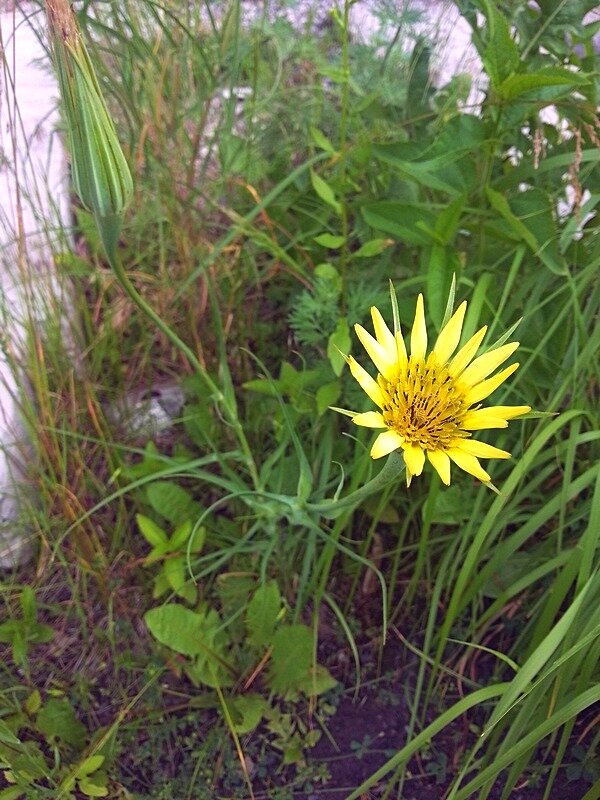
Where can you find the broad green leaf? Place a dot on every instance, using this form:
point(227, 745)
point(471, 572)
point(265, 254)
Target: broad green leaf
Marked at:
point(161, 584)
point(7, 736)
point(181, 534)
point(172, 502)
point(318, 681)
point(247, 710)
point(30, 761)
point(401, 220)
point(449, 218)
point(330, 241)
point(535, 209)
point(291, 658)
point(33, 703)
point(339, 345)
point(12, 793)
point(539, 222)
point(327, 272)
point(40, 633)
point(516, 85)
point(179, 628)
point(175, 570)
point(321, 140)
point(8, 630)
point(431, 172)
point(373, 248)
point(327, 395)
point(91, 789)
point(152, 533)
point(89, 765)
point(262, 615)
point(325, 192)
point(261, 386)
point(57, 720)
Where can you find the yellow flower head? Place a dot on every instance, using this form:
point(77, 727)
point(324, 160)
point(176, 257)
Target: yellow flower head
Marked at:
point(430, 404)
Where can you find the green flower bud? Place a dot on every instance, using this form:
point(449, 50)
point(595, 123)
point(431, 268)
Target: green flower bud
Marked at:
point(101, 176)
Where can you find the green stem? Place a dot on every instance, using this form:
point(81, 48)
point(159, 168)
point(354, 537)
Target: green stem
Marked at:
point(345, 252)
point(109, 228)
point(331, 509)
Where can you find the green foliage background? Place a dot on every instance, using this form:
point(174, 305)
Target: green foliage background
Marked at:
point(194, 574)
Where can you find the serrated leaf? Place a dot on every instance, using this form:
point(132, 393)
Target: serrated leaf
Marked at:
point(198, 633)
point(247, 710)
point(185, 631)
point(330, 241)
point(57, 720)
point(325, 192)
point(291, 658)
point(263, 612)
point(338, 346)
point(501, 55)
point(318, 681)
point(172, 502)
point(516, 85)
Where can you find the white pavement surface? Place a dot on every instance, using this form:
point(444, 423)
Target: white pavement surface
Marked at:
point(33, 203)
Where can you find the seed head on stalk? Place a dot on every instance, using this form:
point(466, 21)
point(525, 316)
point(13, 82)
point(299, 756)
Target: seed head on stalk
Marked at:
point(101, 176)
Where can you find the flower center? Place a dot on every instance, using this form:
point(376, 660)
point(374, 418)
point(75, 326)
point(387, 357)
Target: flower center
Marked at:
point(424, 405)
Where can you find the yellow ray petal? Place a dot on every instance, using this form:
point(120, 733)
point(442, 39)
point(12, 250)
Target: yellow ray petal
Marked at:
point(466, 353)
point(492, 417)
point(486, 364)
point(418, 336)
point(385, 364)
point(468, 463)
point(481, 449)
point(441, 463)
point(367, 383)
point(449, 337)
point(482, 390)
point(370, 419)
point(385, 443)
point(414, 458)
point(476, 421)
point(401, 353)
point(382, 333)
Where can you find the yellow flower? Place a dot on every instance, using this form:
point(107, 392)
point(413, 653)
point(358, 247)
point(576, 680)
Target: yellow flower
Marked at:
point(430, 404)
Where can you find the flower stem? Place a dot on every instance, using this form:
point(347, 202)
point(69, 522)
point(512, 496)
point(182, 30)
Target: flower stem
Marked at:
point(331, 509)
point(107, 227)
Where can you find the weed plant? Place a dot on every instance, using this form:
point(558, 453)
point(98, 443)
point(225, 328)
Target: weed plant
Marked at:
point(179, 633)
